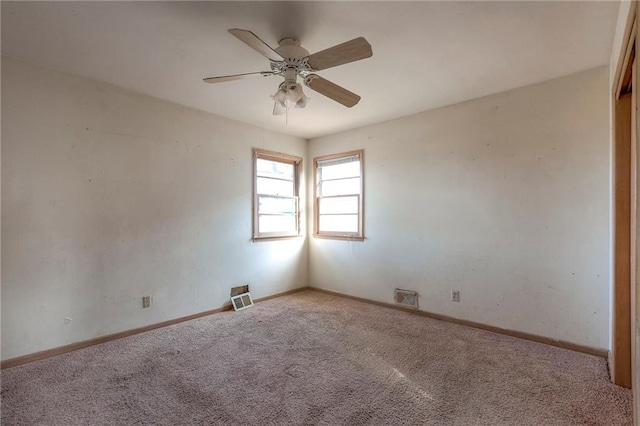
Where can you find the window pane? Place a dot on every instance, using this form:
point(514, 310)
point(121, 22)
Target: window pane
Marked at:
point(282, 224)
point(338, 223)
point(274, 205)
point(340, 187)
point(274, 169)
point(275, 186)
point(341, 171)
point(338, 205)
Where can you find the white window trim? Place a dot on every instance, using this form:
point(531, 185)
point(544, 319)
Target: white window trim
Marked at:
point(297, 173)
point(352, 236)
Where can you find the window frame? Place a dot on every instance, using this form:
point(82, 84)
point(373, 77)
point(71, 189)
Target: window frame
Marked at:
point(296, 162)
point(351, 236)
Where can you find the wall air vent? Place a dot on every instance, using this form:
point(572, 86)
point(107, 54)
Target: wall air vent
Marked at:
point(406, 298)
point(239, 290)
point(241, 301)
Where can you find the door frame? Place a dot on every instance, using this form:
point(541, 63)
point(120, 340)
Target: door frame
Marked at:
point(623, 359)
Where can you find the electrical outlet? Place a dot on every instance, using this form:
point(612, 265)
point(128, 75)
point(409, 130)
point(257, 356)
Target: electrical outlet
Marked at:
point(455, 295)
point(146, 301)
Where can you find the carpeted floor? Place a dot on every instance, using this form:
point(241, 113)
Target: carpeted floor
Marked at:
point(314, 359)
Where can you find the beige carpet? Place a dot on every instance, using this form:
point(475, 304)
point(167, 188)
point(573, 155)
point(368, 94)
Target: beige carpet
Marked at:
point(315, 359)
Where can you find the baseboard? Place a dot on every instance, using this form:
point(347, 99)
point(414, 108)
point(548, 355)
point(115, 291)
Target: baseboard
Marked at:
point(513, 333)
point(37, 356)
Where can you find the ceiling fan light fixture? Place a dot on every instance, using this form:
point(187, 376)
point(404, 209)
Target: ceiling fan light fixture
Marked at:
point(280, 97)
point(302, 102)
point(290, 60)
point(303, 99)
point(278, 109)
point(297, 96)
point(289, 93)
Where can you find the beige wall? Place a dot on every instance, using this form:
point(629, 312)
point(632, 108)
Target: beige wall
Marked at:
point(108, 196)
point(504, 198)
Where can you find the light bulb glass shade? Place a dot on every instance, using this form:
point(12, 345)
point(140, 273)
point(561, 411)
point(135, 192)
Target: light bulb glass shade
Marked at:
point(278, 109)
point(280, 97)
point(303, 101)
point(298, 97)
point(291, 94)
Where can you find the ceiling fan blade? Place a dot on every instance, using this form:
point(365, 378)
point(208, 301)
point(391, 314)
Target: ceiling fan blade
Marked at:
point(350, 51)
point(254, 42)
point(331, 90)
point(224, 78)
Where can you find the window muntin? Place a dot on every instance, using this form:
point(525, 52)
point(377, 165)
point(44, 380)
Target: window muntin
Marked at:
point(276, 191)
point(338, 192)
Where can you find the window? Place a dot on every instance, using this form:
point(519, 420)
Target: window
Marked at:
point(275, 195)
point(339, 203)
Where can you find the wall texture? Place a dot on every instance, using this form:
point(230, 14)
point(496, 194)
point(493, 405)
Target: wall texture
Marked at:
point(108, 196)
point(504, 198)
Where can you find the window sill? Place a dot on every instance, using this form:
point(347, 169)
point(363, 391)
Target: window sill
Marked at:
point(340, 237)
point(276, 238)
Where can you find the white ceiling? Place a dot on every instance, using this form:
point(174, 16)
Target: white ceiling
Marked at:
point(425, 54)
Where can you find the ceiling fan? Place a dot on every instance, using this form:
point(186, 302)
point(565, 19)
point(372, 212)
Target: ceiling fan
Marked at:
point(290, 60)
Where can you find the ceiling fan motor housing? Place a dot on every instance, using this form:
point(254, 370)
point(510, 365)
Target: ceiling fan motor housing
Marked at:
point(291, 50)
point(295, 60)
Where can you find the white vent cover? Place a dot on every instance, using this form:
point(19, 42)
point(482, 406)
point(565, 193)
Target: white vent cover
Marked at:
point(406, 298)
point(241, 301)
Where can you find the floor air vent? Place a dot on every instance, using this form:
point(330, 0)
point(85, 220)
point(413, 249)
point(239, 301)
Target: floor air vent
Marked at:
point(241, 301)
point(406, 298)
